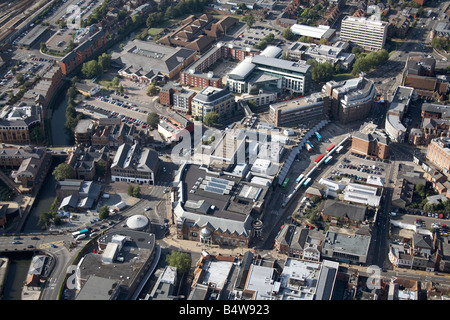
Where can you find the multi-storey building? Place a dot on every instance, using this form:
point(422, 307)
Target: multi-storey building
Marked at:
point(370, 34)
point(438, 152)
point(351, 100)
point(147, 62)
point(84, 161)
point(397, 108)
point(372, 144)
point(135, 164)
point(267, 71)
point(303, 110)
point(212, 99)
point(197, 74)
point(29, 166)
point(82, 52)
point(83, 132)
point(112, 135)
point(174, 95)
point(17, 122)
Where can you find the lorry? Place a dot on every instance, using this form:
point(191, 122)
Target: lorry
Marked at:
point(117, 207)
point(121, 205)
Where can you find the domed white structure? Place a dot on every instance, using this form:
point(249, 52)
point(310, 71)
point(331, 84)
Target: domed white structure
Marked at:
point(137, 222)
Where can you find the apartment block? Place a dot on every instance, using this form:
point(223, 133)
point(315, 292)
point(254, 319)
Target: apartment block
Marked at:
point(303, 110)
point(211, 99)
point(370, 34)
point(438, 152)
point(350, 100)
point(372, 144)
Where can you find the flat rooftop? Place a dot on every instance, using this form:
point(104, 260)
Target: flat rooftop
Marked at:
point(220, 201)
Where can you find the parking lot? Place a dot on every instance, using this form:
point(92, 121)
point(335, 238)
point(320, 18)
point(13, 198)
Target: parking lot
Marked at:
point(60, 40)
point(254, 35)
point(359, 167)
point(29, 69)
point(125, 110)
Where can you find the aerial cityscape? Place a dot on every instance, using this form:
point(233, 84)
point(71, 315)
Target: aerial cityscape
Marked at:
point(251, 150)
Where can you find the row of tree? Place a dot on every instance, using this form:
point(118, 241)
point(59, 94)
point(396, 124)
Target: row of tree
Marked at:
point(155, 19)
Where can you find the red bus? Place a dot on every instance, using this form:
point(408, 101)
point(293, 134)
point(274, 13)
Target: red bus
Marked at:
point(318, 158)
point(330, 148)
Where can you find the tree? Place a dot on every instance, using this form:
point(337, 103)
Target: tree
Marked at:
point(321, 72)
point(179, 260)
point(63, 171)
point(72, 92)
point(249, 19)
point(151, 90)
point(101, 168)
point(103, 213)
point(288, 34)
point(36, 134)
point(211, 118)
point(115, 82)
point(153, 119)
point(356, 50)
point(104, 61)
point(130, 190)
point(428, 207)
point(440, 43)
point(20, 79)
point(91, 69)
point(136, 191)
point(44, 220)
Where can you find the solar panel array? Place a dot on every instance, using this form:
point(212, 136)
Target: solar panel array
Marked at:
point(217, 185)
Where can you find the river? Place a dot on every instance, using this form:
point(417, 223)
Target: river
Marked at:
point(20, 263)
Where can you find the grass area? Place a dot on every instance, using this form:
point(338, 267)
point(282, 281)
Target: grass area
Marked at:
point(343, 76)
point(154, 31)
point(104, 83)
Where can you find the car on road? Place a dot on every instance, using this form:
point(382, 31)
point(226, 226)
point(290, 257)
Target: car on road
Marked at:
point(148, 208)
point(53, 246)
point(34, 238)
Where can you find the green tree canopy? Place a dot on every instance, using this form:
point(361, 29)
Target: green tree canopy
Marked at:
point(288, 34)
point(440, 43)
point(103, 213)
point(321, 72)
point(37, 134)
point(63, 171)
point(104, 61)
point(211, 118)
point(136, 191)
point(249, 19)
point(91, 69)
point(151, 90)
point(153, 119)
point(179, 260)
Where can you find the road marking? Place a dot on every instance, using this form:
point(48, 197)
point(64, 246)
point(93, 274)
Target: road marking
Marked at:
point(48, 244)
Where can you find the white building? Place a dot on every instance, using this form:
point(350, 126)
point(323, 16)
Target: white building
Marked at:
point(362, 194)
point(397, 108)
point(368, 33)
point(319, 32)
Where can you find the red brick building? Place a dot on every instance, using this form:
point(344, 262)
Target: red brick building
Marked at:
point(83, 52)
